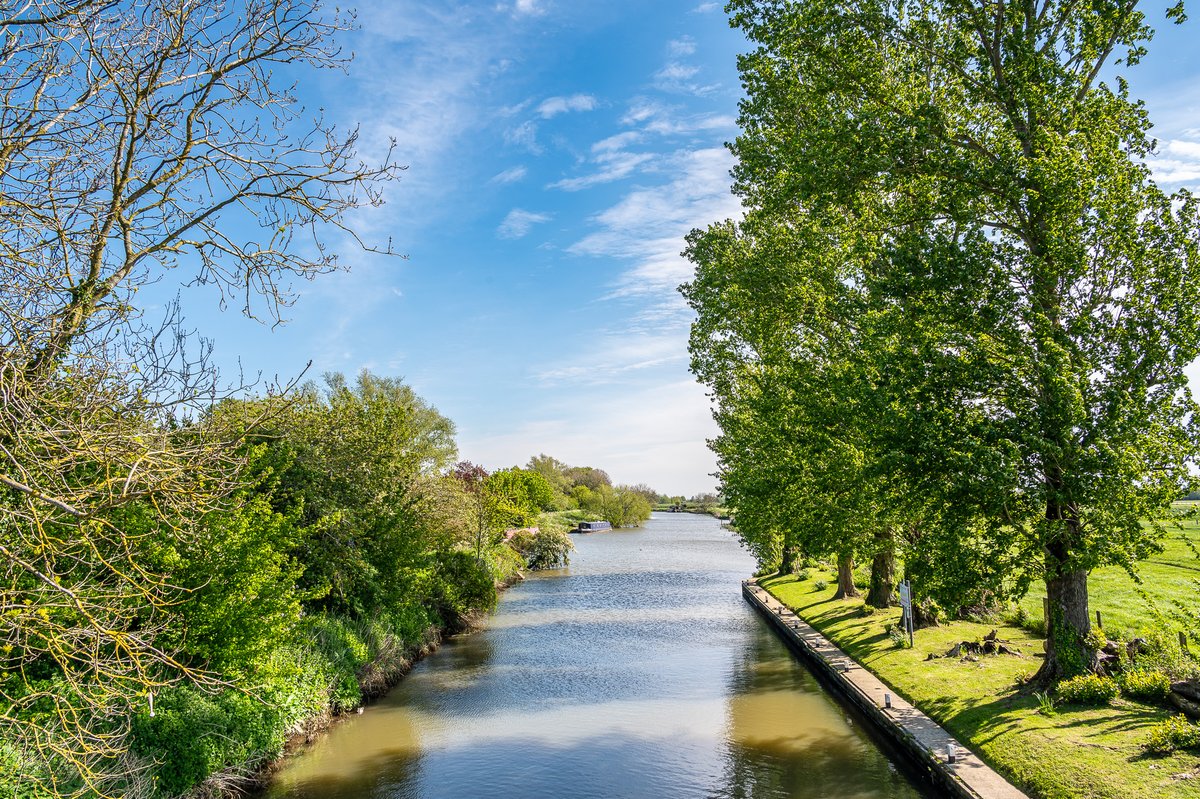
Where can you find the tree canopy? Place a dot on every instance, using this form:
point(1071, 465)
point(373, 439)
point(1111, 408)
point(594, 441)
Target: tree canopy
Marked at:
point(957, 291)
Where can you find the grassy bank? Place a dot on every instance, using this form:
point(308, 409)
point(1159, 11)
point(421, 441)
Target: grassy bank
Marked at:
point(1069, 751)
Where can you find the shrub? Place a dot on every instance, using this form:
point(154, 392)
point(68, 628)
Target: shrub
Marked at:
point(1172, 734)
point(898, 636)
point(543, 547)
point(1088, 689)
point(1150, 686)
point(803, 574)
point(1163, 653)
point(821, 585)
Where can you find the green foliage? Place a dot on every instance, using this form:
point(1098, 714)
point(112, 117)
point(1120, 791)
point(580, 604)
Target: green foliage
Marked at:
point(911, 327)
point(460, 585)
point(519, 496)
point(1046, 703)
point(1172, 734)
point(898, 636)
point(1088, 689)
point(1149, 686)
point(621, 506)
point(193, 735)
point(546, 547)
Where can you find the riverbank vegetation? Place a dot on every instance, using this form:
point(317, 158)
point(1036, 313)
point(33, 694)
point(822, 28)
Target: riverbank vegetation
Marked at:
point(950, 333)
point(347, 542)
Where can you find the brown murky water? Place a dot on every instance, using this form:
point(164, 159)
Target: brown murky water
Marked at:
point(638, 672)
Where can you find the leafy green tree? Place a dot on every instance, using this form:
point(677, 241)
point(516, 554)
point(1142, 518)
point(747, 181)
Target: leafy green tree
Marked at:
point(520, 496)
point(971, 151)
point(555, 473)
point(359, 469)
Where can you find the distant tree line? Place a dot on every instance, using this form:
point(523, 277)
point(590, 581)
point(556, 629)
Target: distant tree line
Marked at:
point(591, 491)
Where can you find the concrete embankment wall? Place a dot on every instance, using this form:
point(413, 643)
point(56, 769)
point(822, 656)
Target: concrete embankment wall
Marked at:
point(924, 744)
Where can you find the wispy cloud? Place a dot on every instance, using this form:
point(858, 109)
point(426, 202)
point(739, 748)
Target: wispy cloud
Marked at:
point(524, 8)
point(659, 118)
point(1178, 161)
point(614, 165)
point(617, 141)
point(518, 222)
point(553, 106)
point(685, 45)
point(706, 8)
point(649, 224)
point(653, 434)
point(510, 175)
point(524, 136)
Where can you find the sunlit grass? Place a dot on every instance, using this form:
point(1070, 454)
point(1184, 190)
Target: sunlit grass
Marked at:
point(1076, 752)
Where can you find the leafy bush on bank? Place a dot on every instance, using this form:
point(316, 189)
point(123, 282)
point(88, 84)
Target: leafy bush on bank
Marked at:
point(1088, 689)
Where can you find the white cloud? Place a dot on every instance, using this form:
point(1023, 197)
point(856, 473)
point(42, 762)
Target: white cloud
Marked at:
point(511, 175)
point(675, 72)
point(658, 118)
point(649, 224)
point(553, 106)
point(705, 8)
point(1178, 161)
point(518, 223)
point(695, 123)
point(676, 78)
point(682, 46)
point(524, 136)
point(524, 8)
point(615, 165)
point(618, 141)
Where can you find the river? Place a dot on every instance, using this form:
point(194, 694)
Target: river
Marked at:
point(638, 672)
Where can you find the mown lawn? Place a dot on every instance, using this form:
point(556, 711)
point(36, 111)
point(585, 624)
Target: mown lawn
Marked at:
point(1128, 608)
point(1075, 752)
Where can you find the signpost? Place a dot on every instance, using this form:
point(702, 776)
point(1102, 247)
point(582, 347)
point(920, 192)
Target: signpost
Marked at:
point(906, 607)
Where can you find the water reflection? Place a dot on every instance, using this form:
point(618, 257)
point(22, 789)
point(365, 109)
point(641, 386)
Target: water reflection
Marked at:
point(638, 672)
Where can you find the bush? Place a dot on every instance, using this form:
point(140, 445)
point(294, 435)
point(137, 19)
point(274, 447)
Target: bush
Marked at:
point(547, 546)
point(1149, 686)
point(898, 636)
point(821, 585)
point(803, 574)
point(193, 735)
point(1163, 653)
point(1172, 734)
point(1088, 689)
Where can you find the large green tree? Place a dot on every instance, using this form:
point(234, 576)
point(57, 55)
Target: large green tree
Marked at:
point(972, 151)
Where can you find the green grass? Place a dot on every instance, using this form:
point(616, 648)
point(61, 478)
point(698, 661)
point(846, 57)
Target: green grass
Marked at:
point(1076, 752)
point(1127, 608)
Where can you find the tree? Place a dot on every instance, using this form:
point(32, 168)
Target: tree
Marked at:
point(971, 149)
point(136, 140)
point(357, 466)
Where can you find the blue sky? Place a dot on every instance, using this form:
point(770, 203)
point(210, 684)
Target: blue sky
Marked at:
point(557, 154)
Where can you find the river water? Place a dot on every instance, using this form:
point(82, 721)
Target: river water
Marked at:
point(638, 672)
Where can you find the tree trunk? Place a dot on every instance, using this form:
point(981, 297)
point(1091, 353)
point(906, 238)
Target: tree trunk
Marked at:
point(1067, 624)
point(788, 564)
point(845, 577)
point(883, 570)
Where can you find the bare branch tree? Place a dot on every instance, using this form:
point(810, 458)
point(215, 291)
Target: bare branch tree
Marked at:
point(137, 138)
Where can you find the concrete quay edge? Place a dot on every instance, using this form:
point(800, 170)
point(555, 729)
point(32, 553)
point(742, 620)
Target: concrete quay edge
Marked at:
point(923, 741)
